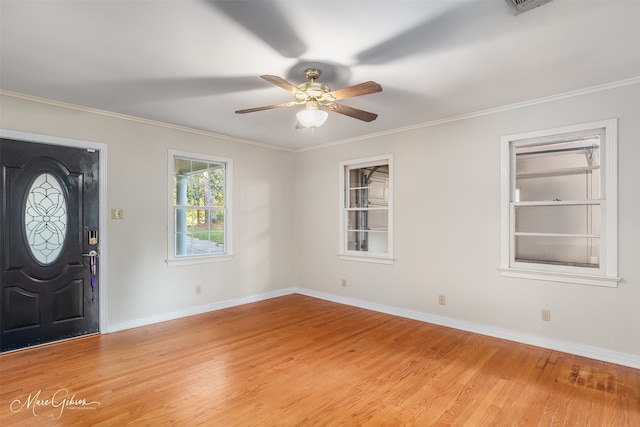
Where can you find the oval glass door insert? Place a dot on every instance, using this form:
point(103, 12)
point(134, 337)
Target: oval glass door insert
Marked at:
point(45, 218)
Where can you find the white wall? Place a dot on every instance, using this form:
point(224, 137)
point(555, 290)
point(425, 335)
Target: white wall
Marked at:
point(141, 287)
point(447, 228)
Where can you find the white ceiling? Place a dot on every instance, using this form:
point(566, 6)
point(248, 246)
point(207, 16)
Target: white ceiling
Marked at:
point(192, 63)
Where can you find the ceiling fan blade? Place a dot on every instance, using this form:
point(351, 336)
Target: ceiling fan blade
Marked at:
point(437, 33)
point(136, 91)
point(282, 83)
point(266, 21)
point(267, 107)
point(355, 90)
point(365, 116)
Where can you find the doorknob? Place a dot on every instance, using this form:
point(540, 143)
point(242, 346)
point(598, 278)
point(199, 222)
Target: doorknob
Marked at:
point(93, 256)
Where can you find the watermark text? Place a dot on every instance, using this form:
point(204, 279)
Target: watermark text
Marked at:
point(60, 401)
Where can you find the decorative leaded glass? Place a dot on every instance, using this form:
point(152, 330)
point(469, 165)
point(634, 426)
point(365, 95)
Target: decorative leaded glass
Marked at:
point(45, 218)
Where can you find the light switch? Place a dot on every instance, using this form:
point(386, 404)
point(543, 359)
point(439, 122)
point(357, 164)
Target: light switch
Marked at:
point(117, 213)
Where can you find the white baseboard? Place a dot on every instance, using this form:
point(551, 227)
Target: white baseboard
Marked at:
point(119, 326)
point(624, 359)
point(619, 358)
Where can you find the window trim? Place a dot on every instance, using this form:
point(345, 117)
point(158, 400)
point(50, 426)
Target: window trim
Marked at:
point(607, 274)
point(227, 255)
point(343, 253)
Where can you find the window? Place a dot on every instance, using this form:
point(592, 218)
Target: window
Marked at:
point(366, 209)
point(559, 204)
point(200, 200)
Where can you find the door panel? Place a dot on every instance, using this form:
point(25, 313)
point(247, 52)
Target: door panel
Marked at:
point(50, 202)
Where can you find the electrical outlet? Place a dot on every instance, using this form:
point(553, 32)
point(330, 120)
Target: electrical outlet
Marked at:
point(546, 314)
point(441, 299)
point(198, 289)
point(344, 283)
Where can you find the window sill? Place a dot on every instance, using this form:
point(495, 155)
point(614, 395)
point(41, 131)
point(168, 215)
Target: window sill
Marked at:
point(174, 262)
point(372, 259)
point(582, 279)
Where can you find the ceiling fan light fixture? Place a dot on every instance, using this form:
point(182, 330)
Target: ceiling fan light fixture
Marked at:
point(312, 116)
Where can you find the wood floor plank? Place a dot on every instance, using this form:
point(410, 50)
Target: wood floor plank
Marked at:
point(297, 360)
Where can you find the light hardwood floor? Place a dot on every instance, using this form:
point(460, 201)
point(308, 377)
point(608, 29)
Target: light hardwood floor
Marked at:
point(295, 361)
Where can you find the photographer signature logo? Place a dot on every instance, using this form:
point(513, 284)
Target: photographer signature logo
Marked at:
point(60, 401)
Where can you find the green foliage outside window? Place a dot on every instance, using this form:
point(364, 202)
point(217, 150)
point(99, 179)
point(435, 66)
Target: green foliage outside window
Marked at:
point(204, 194)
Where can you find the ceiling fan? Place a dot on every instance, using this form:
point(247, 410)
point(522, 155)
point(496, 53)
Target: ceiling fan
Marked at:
point(317, 98)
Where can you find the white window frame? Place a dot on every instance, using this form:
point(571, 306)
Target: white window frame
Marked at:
point(607, 273)
point(227, 255)
point(343, 252)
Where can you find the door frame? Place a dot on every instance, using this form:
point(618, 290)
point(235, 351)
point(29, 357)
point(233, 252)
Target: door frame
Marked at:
point(102, 200)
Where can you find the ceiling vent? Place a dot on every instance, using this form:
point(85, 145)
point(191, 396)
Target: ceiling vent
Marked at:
point(520, 6)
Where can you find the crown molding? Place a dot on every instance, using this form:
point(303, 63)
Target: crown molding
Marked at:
point(564, 95)
point(137, 119)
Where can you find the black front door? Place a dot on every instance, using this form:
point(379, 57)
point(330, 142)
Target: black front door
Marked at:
point(49, 205)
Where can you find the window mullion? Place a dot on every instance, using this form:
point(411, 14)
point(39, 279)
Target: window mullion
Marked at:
point(536, 234)
point(559, 203)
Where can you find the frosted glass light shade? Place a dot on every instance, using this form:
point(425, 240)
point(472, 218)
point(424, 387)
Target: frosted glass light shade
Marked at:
point(312, 117)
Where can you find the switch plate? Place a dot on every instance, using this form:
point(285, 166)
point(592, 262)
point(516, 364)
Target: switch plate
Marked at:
point(546, 314)
point(344, 283)
point(441, 299)
point(117, 213)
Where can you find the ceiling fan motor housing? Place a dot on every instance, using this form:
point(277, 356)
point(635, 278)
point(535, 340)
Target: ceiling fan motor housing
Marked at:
point(311, 90)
